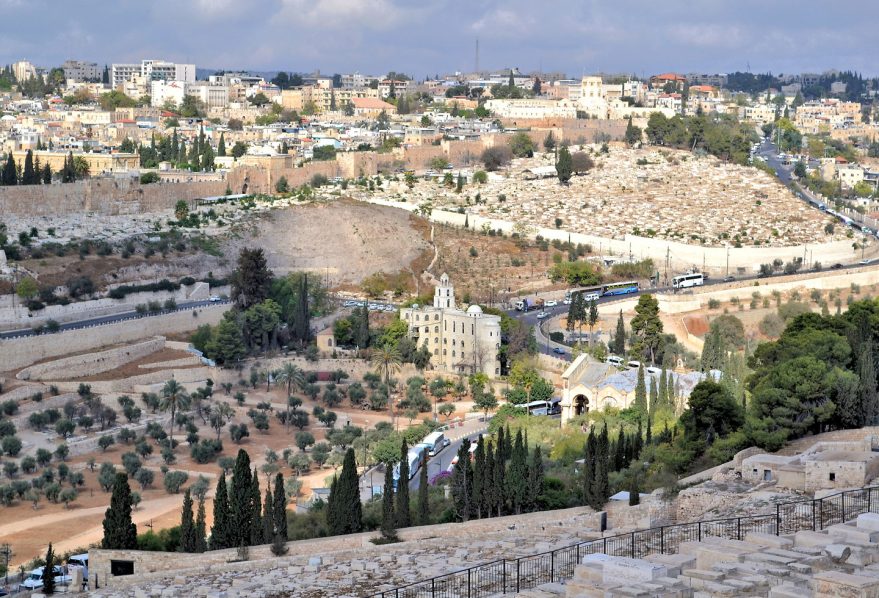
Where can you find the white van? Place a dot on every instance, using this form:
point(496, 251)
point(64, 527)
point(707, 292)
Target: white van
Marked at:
point(634, 365)
point(652, 369)
point(81, 561)
point(614, 360)
point(436, 441)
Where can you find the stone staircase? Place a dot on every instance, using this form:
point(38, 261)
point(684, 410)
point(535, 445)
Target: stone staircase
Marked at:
point(841, 561)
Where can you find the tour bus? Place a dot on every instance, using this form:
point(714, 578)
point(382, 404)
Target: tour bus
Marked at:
point(619, 288)
point(589, 294)
point(435, 441)
point(686, 281)
point(551, 407)
point(414, 457)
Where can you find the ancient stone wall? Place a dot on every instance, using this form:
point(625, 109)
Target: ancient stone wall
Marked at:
point(104, 196)
point(90, 364)
point(21, 352)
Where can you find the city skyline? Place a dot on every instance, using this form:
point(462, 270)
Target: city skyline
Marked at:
point(440, 37)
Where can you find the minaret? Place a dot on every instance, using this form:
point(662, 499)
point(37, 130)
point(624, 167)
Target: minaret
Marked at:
point(444, 294)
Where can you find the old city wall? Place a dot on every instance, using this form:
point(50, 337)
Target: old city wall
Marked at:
point(151, 565)
point(21, 352)
point(91, 363)
point(103, 196)
point(574, 131)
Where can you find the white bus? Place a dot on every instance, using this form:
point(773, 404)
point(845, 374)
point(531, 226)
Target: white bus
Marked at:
point(436, 441)
point(686, 281)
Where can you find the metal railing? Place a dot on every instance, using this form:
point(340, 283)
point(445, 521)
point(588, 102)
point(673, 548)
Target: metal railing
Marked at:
point(505, 576)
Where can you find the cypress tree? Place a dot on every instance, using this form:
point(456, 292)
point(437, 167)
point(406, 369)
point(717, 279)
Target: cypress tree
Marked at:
point(268, 518)
point(634, 490)
point(256, 527)
point(618, 347)
point(403, 516)
point(589, 468)
point(517, 475)
point(423, 498)
point(346, 514)
point(181, 155)
point(641, 392)
point(663, 387)
point(654, 396)
point(602, 486)
point(240, 502)
point(221, 530)
point(462, 479)
point(500, 474)
point(9, 177)
point(535, 479)
point(488, 482)
point(479, 478)
point(638, 444)
point(47, 174)
point(29, 176)
point(279, 508)
point(200, 529)
point(389, 518)
point(188, 538)
point(499, 447)
point(38, 171)
point(508, 444)
point(221, 146)
point(120, 532)
point(175, 145)
point(49, 573)
point(649, 439)
point(868, 397)
point(619, 456)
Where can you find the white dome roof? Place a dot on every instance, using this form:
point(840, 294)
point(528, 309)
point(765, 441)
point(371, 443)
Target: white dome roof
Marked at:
point(474, 310)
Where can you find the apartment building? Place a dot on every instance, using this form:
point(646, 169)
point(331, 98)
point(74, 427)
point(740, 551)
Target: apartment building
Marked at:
point(23, 70)
point(461, 342)
point(80, 71)
point(532, 108)
point(152, 70)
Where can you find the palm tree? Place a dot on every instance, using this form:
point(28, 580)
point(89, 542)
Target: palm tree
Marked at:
point(290, 375)
point(387, 360)
point(174, 397)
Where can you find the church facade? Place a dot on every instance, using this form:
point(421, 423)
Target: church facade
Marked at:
point(460, 342)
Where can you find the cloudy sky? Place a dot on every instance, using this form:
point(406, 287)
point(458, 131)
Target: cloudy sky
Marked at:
point(422, 37)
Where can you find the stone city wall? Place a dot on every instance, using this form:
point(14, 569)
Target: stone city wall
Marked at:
point(104, 196)
point(90, 364)
point(21, 352)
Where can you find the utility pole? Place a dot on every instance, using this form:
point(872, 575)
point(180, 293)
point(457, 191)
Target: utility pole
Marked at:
point(6, 551)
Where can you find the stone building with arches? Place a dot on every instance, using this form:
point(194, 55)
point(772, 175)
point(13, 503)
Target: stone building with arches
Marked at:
point(588, 385)
point(460, 342)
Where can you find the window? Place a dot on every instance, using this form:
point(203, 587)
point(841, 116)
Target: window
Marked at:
point(436, 328)
point(121, 567)
point(497, 371)
point(445, 326)
point(444, 351)
point(832, 477)
point(417, 317)
point(427, 328)
point(436, 339)
point(436, 316)
point(462, 344)
point(436, 351)
point(453, 352)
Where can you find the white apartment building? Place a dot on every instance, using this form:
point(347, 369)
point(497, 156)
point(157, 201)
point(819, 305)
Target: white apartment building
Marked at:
point(152, 70)
point(212, 96)
point(532, 108)
point(461, 342)
point(167, 91)
point(23, 70)
point(78, 70)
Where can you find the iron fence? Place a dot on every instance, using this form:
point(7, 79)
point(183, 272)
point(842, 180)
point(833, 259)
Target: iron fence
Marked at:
point(515, 575)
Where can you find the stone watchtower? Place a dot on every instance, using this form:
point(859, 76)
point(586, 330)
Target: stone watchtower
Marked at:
point(444, 294)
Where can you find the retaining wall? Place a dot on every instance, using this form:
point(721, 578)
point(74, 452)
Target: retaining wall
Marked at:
point(90, 364)
point(21, 352)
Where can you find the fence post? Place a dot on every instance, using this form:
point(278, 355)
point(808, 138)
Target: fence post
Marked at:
point(468, 581)
point(551, 566)
point(699, 528)
point(821, 513)
point(843, 508)
point(504, 574)
point(739, 529)
point(777, 520)
point(662, 540)
point(869, 500)
point(578, 554)
point(633, 545)
point(814, 521)
point(518, 575)
point(433, 587)
point(605, 546)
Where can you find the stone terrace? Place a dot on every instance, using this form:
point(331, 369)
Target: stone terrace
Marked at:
point(840, 561)
point(666, 193)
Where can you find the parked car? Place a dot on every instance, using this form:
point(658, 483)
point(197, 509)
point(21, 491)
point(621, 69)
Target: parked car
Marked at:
point(551, 303)
point(729, 279)
point(558, 350)
point(214, 299)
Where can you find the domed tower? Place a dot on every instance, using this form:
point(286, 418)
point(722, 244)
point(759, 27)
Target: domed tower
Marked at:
point(444, 294)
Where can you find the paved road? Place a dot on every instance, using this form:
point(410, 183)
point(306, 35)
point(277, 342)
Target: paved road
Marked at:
point(109, 319)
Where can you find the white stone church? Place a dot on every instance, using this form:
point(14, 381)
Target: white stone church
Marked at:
point(461, 342)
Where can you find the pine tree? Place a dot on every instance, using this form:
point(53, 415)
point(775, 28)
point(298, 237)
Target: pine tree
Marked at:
point(517, 475)
point(268, 518)
point(201, 543)
point(535, 479)
point(221, 531)
point(564, 167)
point(389, 517)
point(279, 508)
point(423, 497)
point(188, 537)
point(618, 346)
point(120, 532)
point(479, 478)
point(402, 510)
point(240, 502)
point(640, 403)
point(49, 573)
point(462, 480)
point(256, 528)
point(221, 146)
point(346, 513)
point(29, 176)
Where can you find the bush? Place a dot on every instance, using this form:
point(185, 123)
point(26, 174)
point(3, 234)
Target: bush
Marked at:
point(205, 450)
point(174, 480)
point(496, 157)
